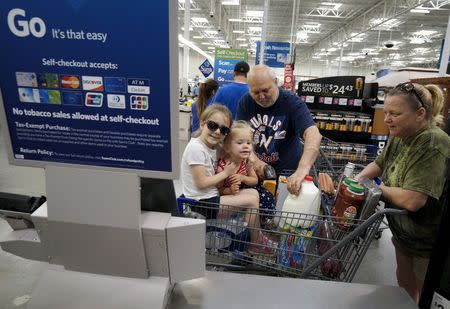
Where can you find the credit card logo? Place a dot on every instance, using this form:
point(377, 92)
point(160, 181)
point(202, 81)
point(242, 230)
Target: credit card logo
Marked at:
point(49, 96)
point(138, 85)
point(26, 79)
point(72, 98)
point(29, 95)
point(48, 80)
point(70, 81)
point(93, 99)
point(139, 102)
point(115, 84)
point(116, 101)
point(92, 83)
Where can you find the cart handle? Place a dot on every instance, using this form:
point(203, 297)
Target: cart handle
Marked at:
point(356, 232)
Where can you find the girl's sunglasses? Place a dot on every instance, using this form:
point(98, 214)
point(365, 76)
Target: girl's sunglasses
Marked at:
point(409, 88)
point(213, 126)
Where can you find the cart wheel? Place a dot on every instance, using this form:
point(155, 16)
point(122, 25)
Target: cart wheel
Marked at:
point(378, 235)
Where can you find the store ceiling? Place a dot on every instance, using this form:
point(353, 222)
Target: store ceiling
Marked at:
point(362, 27)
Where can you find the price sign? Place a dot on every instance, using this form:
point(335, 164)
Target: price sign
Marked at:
point(339, 86)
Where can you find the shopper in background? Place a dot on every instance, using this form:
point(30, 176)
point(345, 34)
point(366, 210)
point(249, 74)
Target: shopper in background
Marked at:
point(230, 94)
point(196, 89)
point(205, 94)
point(412, 169)
point(199, 180)
point(278, 119)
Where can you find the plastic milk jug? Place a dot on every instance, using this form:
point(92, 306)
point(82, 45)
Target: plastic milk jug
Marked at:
point(297, 210)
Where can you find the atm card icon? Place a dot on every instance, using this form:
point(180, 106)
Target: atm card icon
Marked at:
point(138, 85)
point(139, 102)
point(93, 99)
point(72, 98)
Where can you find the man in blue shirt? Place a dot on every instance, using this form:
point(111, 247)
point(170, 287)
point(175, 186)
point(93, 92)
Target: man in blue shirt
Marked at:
point(278, 119)
point(230, 94)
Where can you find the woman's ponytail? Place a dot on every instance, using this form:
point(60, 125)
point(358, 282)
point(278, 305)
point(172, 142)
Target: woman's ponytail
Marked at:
point(437, 103)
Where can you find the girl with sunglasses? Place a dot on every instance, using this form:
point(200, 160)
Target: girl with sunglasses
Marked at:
point(200, 181)
point(412, 167)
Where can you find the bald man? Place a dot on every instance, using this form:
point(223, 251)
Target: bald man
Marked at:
point(278, 119)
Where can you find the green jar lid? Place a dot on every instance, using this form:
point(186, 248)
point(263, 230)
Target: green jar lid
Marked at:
point(356, 188)
point(349, 181)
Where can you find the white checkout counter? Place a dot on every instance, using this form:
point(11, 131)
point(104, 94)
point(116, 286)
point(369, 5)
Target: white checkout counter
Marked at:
point(220, 290)
point(105, 253)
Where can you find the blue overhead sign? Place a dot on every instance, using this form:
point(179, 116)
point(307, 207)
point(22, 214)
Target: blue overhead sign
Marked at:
point(275, 53)
point(84, 83)
point(206, 68)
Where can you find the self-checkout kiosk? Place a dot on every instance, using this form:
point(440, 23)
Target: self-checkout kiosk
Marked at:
point(99, 113)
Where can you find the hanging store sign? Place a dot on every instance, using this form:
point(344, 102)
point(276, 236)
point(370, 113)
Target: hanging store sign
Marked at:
point(77, 89)
point(224, 62)
point(289, 78)
point(275, 53)
point(338, 86)
point(206, 68)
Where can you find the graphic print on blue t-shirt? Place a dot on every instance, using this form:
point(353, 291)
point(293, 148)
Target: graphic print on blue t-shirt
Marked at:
point(267, 130)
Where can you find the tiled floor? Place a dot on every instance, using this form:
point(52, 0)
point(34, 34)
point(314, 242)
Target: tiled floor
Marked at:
point(18, 275)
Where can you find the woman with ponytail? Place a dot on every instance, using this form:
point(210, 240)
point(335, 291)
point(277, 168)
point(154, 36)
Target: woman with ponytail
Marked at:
point(206, 92)
point(412, 168)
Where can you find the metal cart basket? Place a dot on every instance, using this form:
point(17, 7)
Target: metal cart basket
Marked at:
point(323, 251)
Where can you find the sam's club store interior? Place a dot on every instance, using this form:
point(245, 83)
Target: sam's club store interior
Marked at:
point(224, 154)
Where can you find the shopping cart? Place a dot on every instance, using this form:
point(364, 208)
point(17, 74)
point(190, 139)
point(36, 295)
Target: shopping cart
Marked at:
point(274, 243)
point(323, 251)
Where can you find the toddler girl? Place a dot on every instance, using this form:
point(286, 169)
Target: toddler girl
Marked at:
point(237, 148)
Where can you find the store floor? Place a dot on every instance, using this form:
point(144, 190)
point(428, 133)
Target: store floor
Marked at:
point(18, 275)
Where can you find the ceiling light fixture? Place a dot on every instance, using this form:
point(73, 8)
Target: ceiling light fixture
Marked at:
point(253, 13)
point(420, 11)
point(194, 47)
point(416, 40)
point(302, 36)
point(199, 19)
point(230, 2)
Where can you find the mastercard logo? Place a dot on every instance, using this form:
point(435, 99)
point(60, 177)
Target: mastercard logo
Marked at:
point(70, 81)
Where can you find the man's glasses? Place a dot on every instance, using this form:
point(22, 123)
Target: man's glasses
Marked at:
point(409, 88)
point(213, 126)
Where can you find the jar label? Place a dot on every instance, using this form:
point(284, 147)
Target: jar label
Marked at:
point(349, 215)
